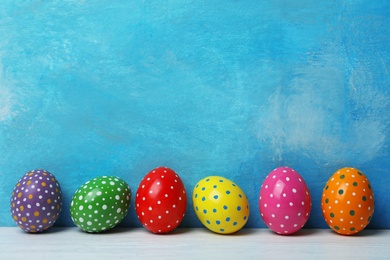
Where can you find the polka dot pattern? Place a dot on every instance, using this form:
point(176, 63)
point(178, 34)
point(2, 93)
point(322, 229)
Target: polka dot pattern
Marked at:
point(284, 201)
point(220, 204)
point(100, 204)
point(161, 200)
point(36, 201)
point(347, 201)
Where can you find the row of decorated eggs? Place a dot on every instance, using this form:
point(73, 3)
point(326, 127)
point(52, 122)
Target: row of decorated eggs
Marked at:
point(220, 204)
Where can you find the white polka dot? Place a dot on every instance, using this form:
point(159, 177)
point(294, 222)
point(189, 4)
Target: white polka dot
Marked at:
point(99, 193)
point(118, 210)
point(150, 208)
point(104, 207)
point(287, 179)
point(294, 190)
point(81, 220)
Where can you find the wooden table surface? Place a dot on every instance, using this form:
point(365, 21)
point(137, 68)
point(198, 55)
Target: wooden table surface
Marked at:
point(198, 243)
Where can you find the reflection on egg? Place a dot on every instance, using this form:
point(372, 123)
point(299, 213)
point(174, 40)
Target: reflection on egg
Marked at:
point(220, 204)
point(100, 204)
point(284, 201)
point(36, 201)
point(347, 201)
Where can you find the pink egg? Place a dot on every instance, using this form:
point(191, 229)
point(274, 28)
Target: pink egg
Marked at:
point(284, 201)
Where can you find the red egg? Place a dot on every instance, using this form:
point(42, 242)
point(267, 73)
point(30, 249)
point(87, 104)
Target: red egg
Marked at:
point(161, 201)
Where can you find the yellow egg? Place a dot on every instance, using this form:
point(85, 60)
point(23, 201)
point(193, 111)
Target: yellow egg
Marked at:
point(220, 204)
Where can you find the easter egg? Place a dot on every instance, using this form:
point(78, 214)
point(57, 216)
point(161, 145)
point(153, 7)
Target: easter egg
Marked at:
point(220, 205)
point(100, 204)
point(284, 201)
point(161, 200)
point(347, 201)
point(36, 201)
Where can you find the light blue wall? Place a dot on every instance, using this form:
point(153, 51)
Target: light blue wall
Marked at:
point(231, 88)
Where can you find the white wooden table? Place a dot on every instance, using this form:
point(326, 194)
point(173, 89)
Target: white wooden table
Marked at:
point(199, 243)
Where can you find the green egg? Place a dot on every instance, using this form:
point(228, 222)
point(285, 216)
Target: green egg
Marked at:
point(100, 204)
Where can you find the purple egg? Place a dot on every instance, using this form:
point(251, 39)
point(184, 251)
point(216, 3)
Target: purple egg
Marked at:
point(36, 201)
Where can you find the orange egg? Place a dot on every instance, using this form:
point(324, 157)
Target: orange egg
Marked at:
point(347, 201)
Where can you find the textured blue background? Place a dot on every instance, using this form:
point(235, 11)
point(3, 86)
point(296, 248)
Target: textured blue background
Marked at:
point(231, 88)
